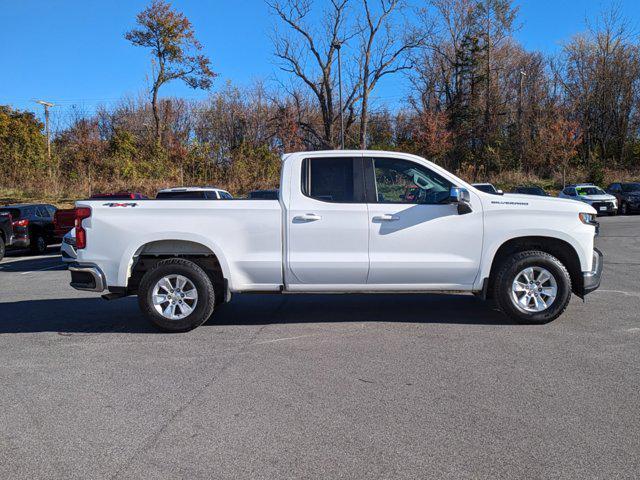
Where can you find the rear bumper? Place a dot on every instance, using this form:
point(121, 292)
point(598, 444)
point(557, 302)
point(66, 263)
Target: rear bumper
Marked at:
point(591, 280)
point(87, 277)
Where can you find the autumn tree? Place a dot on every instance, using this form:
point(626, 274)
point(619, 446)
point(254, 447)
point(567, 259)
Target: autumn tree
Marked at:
point(170, 36)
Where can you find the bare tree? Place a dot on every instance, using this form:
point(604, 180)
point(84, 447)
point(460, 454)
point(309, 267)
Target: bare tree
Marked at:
point(310, 54)
point(172, 40)
point(384, 50)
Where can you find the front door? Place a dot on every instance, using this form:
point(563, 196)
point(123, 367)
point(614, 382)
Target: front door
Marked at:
point(328, 232)
point(416, 237)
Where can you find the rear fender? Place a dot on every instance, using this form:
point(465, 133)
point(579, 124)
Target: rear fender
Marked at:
point(130, 253)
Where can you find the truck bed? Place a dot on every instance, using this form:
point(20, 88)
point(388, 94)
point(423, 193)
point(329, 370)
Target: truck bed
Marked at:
point(249, 232)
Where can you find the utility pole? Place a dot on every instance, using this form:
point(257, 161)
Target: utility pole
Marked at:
point(46, 106)
point(337, 46)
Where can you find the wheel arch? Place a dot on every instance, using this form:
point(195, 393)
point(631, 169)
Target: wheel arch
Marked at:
point(139, 258)
point(561, 249)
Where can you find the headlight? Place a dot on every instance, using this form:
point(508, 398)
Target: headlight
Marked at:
point(587, 218)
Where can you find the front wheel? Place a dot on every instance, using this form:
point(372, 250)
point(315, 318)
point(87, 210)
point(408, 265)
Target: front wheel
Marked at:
point(532, 287)
point(176, 295)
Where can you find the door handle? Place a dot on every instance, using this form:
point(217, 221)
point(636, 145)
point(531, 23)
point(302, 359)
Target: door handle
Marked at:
point(387, 217)
point(307, 217)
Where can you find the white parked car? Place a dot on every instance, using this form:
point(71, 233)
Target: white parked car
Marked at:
point(591, 195)
point(488, 188)
point(68, 246)
point(193, 193)
point(343, 223)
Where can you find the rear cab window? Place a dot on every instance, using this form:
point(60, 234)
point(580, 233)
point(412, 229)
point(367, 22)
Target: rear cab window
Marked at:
point(335, 180)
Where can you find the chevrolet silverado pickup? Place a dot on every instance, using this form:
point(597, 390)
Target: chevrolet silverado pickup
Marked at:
point(344, 222)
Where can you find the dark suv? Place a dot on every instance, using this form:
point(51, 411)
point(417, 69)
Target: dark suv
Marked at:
point(32, 225)
point(530, 190)
point(628, 195)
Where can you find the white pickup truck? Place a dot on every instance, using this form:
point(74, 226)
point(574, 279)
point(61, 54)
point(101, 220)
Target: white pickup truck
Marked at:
point(344, 222)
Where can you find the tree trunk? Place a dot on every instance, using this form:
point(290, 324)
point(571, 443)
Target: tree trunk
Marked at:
point(156, 115)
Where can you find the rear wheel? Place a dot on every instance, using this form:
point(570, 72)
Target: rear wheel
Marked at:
point(2, 248)
point(39, 244)
point(623, 208)
point(176, 295)
point(532, 287)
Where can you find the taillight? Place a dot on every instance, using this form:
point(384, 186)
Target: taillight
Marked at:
point(21, 223)
point(81, 234)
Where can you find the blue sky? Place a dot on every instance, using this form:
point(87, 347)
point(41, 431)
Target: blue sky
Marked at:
point(72, 52)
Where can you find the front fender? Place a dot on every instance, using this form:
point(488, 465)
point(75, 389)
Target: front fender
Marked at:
point(581, 242)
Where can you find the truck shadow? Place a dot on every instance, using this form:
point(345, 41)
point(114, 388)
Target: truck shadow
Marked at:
point(26, 264)
point(94, 315)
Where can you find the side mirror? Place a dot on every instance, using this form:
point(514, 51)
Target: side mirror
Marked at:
point(462, 198)
point(500, 192)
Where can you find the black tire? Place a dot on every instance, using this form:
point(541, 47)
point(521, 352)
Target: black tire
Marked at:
point(38, 244)
point(202, 283)
point(506, 275)
point(623, 209)
point(3, 249)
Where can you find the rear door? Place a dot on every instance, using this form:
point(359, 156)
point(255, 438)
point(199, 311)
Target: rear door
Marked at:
point(327, 233)
point(417, 238)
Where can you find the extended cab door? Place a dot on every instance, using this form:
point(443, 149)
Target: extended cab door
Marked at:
point(417, 239)
point(327, 224)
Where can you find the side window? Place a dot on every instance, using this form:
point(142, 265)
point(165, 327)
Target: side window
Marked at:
point(332, 180)
point(401, 181)
point(226, 196)
point(570, 191)
point(51, 210)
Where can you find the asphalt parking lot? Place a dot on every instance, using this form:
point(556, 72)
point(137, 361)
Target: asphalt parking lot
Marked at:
point(389, 386)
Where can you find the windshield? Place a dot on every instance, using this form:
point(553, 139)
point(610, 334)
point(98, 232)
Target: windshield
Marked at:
point(582, 191)
point(532, 190)
point(486, 188)
point(631, 187)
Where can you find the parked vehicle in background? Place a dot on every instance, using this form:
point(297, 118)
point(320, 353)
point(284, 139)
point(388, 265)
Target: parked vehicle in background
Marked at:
point(68, 246)
point(343, 224)
point(32, 225)
point(592, 195)
point(118, 196)
point(63, 221)
point(263, 195)
point(531, 190)
point(487, 188)
point(193, 193)
point(628, 196)
point(6, 232)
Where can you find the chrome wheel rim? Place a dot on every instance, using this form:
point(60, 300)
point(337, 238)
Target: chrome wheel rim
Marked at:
point(174, 297)
point(534, 290)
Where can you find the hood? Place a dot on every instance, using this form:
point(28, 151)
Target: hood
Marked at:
point(597, 198)
point(537, 202)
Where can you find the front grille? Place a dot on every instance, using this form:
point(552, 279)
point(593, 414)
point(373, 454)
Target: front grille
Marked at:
point(607, 205)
